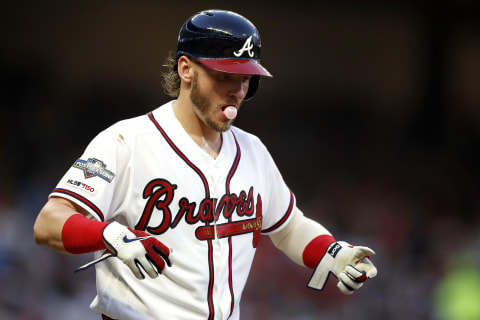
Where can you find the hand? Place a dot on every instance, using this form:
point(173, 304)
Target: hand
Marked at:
point(137, 249)
point(350, 264)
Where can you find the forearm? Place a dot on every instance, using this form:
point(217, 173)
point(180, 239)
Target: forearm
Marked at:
point(296, 237)
point(48, 226)
point(60, 226)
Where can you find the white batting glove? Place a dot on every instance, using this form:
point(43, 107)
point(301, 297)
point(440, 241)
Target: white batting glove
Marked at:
point(350, 264)
point(137, 249)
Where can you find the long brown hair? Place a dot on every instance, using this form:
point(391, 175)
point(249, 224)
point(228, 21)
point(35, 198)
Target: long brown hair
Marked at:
point(170, 78)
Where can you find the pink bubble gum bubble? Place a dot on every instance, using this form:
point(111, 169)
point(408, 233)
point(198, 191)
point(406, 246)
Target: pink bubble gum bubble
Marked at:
point(230, 112)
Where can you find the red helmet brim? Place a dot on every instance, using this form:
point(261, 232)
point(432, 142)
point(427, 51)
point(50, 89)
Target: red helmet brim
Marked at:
point(238, 66)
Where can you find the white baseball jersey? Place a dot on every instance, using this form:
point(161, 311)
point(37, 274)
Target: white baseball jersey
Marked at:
point(147, 173)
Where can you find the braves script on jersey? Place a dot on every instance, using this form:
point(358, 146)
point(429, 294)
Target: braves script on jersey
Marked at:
point(148, 174)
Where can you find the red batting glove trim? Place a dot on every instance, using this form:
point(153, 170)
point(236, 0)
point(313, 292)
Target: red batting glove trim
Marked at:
point(82, 235)
point(315, 250)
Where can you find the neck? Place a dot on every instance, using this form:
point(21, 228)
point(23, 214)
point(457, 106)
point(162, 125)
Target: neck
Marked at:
point(207, 138)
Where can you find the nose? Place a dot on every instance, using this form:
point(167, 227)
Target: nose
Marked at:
point(239, 89)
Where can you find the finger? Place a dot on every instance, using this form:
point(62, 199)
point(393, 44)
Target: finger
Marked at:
point(347, 285)
point(164, 252)
point(372, 273)
point(344, 289)
point(147, 266)
point(133, 266)
point(157, 262)
point(367, 266)
point(355, 274)
point(349, 282)
point(156, 249)
point(158, 254)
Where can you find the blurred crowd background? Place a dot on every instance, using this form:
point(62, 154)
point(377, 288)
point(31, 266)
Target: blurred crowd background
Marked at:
point(373, 117)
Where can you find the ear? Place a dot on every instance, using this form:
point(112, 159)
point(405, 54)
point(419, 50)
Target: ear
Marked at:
point(185, 69)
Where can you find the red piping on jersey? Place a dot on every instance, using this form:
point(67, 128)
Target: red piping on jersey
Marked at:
point(230, 277)
point(207, 196)
point(211, 307)
point(285, 216)
point(230, 248)
point(83, 200)
point(181, 155)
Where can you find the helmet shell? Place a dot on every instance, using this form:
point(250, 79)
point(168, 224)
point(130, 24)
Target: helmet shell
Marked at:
point(224, 41)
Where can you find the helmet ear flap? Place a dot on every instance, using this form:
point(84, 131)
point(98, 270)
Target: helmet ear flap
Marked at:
point(253, 86)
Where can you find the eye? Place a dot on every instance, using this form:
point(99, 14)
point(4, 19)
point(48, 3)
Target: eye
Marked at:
point(246, 78)
point(226, 76)
point(221, 76)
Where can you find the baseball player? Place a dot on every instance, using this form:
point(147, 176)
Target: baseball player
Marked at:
point(172, 203)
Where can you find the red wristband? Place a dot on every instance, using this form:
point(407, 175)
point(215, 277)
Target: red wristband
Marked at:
point(315, 250)
point(82, 235)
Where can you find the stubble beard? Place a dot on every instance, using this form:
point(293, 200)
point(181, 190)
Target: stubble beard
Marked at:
point(207, 110)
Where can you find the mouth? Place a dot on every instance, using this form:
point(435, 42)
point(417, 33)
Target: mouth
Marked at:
point(229, 112)
point(228, 104)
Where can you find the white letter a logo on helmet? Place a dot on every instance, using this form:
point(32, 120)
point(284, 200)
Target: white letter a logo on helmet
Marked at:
point(247, 46)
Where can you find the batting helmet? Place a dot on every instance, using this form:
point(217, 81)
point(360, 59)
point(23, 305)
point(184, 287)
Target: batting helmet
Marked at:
point(224, 41)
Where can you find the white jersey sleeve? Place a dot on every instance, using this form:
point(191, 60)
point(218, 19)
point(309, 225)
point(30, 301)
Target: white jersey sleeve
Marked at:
point(98, 180)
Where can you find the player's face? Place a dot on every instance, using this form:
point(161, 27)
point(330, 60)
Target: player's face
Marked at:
point(212, 91)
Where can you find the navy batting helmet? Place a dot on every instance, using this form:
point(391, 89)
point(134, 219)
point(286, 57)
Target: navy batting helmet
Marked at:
point(224, 41)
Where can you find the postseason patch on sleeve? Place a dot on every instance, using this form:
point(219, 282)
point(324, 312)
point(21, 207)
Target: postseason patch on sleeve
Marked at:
point(94, 168)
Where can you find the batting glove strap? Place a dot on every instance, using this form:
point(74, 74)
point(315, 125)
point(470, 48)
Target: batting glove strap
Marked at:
point(137, 249)
point(350, 264)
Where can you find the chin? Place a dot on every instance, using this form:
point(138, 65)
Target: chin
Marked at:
point(221, 126)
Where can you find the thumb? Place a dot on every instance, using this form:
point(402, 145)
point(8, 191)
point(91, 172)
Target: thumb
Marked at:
point(367, 266)
point(363, 262)
point(362, 252)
